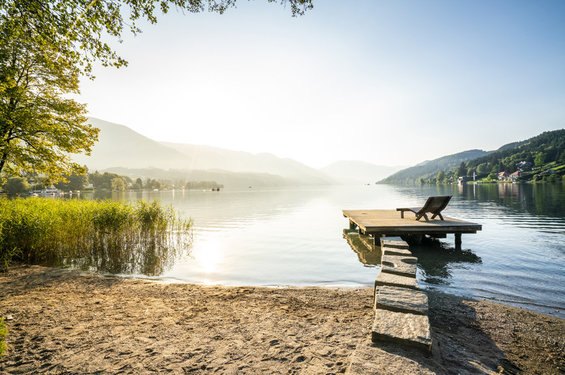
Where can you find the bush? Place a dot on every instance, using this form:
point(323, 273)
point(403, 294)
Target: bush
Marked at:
point(107, 236)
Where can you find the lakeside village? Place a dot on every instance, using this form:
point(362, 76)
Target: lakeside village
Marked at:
point(90, 182)
point(523, 172)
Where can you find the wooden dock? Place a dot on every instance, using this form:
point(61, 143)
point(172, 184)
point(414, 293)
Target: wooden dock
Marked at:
point(379, 223)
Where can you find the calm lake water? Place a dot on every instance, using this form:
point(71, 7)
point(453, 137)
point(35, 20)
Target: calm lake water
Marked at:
point(295, 236)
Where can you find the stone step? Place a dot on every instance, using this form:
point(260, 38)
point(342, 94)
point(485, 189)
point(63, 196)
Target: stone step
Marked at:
point(385, 278)
point(399, 265)
point(402, 328)
point(394, 242)
point(400, 299)
point(368, 359)
point(396, 251)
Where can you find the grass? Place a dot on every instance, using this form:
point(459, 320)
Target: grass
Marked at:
point(105, 236)
point(3, 333)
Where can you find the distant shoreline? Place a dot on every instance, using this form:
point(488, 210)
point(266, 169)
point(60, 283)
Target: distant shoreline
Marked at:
point(63, 320)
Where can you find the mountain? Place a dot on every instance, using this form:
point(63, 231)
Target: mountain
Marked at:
point(121, 147)
point(207, 157)
point(430, 168)
point(353, 171)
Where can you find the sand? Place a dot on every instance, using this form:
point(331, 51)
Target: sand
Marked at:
point(65, 322)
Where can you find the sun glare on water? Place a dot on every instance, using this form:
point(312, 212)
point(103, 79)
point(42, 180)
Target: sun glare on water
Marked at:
point(208, 255)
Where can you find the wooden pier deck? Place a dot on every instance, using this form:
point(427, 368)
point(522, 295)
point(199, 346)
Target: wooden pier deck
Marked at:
point(379, 223)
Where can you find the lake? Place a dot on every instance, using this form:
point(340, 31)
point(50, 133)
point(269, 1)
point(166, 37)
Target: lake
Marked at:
point(295, 237)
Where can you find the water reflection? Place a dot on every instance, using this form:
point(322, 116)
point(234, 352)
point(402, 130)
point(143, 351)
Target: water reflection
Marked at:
point(436, 260)
point(367, 253)
point(535, 199)
point(148, 254)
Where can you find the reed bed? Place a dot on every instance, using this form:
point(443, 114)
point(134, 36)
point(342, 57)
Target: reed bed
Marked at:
point(104, 236)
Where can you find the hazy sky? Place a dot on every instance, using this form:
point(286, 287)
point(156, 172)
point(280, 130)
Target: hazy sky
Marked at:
point(388, 82)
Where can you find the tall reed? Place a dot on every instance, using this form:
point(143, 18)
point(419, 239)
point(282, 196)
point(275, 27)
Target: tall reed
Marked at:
point(105, 236)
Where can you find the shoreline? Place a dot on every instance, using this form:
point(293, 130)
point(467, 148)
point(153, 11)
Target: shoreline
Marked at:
point(62, 321)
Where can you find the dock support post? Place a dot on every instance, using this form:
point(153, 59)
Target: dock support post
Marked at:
point(352, 225)
point(377, 239)
point(457, 241)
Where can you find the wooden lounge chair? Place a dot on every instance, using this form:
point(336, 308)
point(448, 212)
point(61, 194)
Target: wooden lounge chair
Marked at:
point(434, 206)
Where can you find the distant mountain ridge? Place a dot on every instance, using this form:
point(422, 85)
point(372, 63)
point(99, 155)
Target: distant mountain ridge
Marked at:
point(207, 157)
point(124, 151)
point(119, 147)
point(430, 168)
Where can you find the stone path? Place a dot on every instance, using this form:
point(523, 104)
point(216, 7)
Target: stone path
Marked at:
point(401, 312)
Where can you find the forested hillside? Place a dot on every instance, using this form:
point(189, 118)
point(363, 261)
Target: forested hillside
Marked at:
point(538, 158)
point(429, 169)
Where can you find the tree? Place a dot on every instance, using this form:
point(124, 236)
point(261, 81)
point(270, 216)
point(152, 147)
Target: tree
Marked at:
point(440, 176)
point(73, 182)
point(16, 186)
point(39, 126)
point(482, 169)
point(118, 184)
point(462, 170)
point(539, 160)
point(45, 46)
point(138, 184)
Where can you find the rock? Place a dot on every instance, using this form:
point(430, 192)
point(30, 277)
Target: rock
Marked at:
point(400, 265)
point(394, 242)
point(396, 251)
point(368, 359)
point(401, 328)
point(401, 299)
point(385, 278)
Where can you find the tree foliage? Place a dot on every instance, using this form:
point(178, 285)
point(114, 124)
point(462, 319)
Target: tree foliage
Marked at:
point(73, 182)
point(45, 47)
point(16, 186)
point(39, 125)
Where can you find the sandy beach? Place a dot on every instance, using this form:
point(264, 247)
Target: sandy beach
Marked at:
point(65, 322)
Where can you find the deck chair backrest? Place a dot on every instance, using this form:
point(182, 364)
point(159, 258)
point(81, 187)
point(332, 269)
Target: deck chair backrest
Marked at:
point(436, 204)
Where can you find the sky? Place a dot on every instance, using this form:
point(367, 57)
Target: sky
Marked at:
point(386, 82)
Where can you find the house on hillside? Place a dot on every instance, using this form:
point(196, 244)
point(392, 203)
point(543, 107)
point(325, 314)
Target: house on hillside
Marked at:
point(463, 180)
point(524, 166)
point(503, 176)
point(516, 174)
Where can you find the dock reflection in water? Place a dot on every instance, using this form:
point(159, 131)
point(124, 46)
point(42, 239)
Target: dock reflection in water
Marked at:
point(435, 259)
point(369, 255)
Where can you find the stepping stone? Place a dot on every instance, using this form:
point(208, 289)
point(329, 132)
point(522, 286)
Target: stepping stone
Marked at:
point(369, 359)
point(401, 328)
point(396, 251)
point(400, 299)
point(399, 265)
point(385, 278)
point(394, 242)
